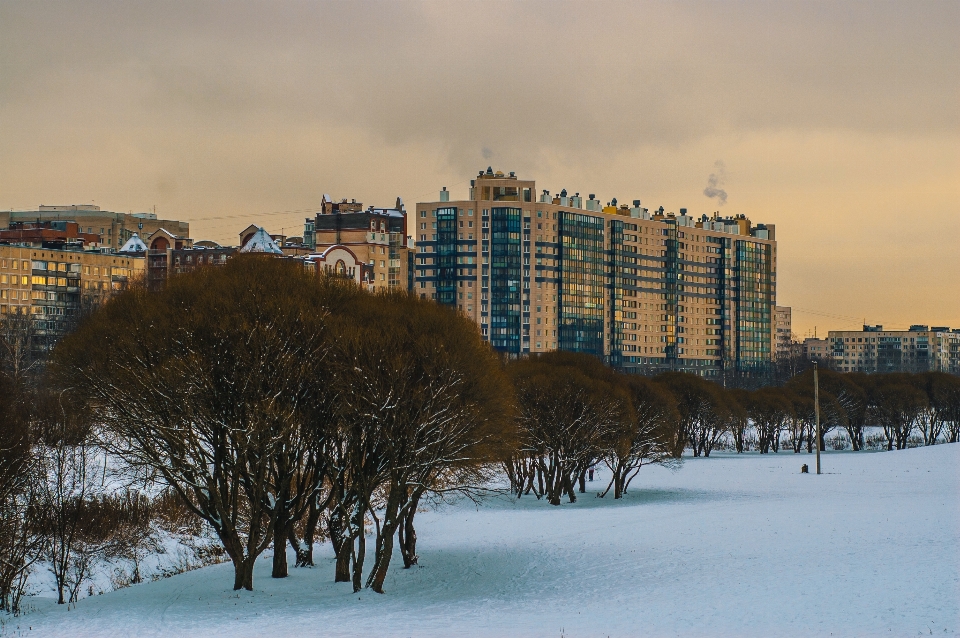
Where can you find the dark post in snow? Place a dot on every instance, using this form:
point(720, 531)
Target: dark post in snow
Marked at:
point(816, 410)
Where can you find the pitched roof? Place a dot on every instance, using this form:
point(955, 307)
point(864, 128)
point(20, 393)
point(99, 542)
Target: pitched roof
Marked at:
point(134, 245)
point(261, 243)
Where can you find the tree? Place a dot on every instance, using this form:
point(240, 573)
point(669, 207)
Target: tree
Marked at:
point(705, 411)
point(943, 402)
point(897, 405)
point(832, 414)
point(205, 382)
point(646, 435)
point(19, 542)
point(801, 423)
point(18, 357)
point(943, 393)
point(65, 488)
point(568, 408)
point(770, 410)
point(423, 387)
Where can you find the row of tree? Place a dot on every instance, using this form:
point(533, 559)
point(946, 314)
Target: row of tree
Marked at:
point(282, 408)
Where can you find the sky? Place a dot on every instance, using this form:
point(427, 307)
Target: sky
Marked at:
point(839, 122)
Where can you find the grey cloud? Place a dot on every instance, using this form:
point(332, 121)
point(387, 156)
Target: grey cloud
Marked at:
point(518, 77)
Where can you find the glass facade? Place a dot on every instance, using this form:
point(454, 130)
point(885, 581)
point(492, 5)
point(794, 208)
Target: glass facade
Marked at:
point(505, 284)
point(618, 269)
point(755, 302)
point(582, 283)
point(446, 256)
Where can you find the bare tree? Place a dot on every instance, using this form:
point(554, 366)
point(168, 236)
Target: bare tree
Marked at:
point(66, 484)
point(204, 383)
point(19, 359)
point(426, 394)
point(19, 540)
point(647, 434)
point(771, 411)
point(705, 411)
point(897, 405)
point(568, 408)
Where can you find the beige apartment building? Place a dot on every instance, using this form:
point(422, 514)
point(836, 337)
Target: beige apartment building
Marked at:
point(785, 346)
point(49, 285)
point(114, 228)
point(873, 349)
point(643, 290)
point(816, 349)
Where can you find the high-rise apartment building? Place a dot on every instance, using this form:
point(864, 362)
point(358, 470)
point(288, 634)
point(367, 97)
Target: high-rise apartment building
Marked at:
point(873, 349)
point(645, 291)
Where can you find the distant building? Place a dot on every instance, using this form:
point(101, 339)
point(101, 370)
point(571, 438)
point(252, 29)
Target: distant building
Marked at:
point(784, 344)
point(920, 349)
point(645, 291)
point(815, 349)
point(114, 229)
point(376, 238)
point(48, 234)
point(52, 284)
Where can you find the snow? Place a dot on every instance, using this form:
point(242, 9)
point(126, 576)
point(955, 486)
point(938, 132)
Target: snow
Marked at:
point(134, 245)
point(726, 546)
point(261, 242)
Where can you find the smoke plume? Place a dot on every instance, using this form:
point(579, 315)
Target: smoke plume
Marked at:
point(715, 184)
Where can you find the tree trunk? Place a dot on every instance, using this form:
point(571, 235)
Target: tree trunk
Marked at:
point(583, 481)
point(384, 553)
point(568, 488)
point(361, 549)
point(243, 573)
point(408, 535)
point(281, 530)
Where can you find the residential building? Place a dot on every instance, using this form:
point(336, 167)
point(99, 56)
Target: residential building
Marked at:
point(51, 285)
point(645, 291)
point(114, 229)
point(921, 348)
point(817, 349)
point(376, 238)
point(49, 234)
point(784, 343)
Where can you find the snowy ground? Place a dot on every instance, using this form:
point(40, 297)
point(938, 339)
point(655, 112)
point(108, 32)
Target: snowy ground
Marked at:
point(730, 545)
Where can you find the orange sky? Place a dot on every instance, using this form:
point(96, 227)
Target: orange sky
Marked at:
point(837, 121)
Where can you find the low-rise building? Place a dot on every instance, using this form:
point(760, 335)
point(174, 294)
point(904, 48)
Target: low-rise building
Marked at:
point(114, 229)
point(921, 348)
point(815, 349)
point(375, 237)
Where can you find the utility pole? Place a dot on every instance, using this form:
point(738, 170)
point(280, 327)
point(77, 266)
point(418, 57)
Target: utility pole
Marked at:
point(816, 410)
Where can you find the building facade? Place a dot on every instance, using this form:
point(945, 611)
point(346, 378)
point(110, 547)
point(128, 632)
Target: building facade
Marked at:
point(52, 285)
point(114, 229)
point(784, 344)
point(644, 291)
point(873, 349)
point(815, 349)
point(376, 237)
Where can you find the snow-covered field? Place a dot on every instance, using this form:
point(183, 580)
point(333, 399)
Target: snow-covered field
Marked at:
point(727, 546)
